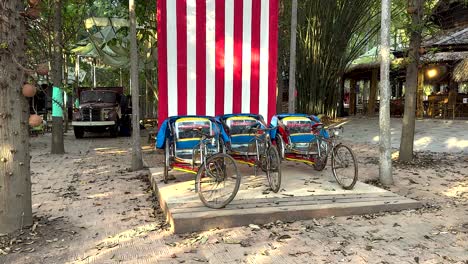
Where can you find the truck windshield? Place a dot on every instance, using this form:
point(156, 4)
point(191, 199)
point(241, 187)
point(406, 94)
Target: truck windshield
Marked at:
point(98, 96)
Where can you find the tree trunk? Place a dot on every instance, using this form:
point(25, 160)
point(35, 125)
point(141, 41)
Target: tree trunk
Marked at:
point(407, 134)
point(57, 118)
point(385, 149)
point(352, 97)
point(292, 59)
point(137, 162)
point(15, 178)
point(420, 94)
point(372, 93)
point(341, 100)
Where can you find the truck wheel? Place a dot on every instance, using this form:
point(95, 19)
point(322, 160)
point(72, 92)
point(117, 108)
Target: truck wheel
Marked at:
point(79, 132)
point(114, 131)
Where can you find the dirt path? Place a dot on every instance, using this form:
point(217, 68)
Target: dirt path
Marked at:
point(91, 210)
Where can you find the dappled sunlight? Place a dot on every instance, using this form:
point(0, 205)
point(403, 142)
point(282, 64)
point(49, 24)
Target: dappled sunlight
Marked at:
point(100, 195)
point(106, 151)
point(455, 143)
point(376, 139)
point(111, 244)
point(423, 142)
point(458, 191)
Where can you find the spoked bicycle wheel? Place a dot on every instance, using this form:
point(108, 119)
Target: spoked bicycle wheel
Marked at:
point(218, 181)
point(166, 161)
point(321, 161)
point(273, 170)
point(344, 166)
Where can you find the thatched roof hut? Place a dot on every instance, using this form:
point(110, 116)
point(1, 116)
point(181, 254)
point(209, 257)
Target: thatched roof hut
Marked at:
point(460, 72)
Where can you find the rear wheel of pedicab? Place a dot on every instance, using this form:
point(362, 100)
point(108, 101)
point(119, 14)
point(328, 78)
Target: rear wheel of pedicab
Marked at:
point(280, 146)
point(166, 161)
point(344, 166)
point(218, 181)
point(321, 160)
point(273, 170)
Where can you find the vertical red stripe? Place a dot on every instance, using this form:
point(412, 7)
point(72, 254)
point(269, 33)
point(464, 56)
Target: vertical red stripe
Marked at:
point(272, 58)
point(255, 63)
point(237, 82)
point(162, 60)
point(219, 57)
point(201, 56)
point(181, 11)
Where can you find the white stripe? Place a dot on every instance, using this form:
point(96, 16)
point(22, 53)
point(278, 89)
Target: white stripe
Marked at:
point(171, 57)
point(246, 54)
point(210, 56)
point(264, 52)
point(191, 57)
point(228, 56)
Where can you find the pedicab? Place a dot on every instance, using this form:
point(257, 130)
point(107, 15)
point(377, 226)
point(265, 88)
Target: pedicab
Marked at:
point(246, 138)
point(191, 144)
point(303, 138)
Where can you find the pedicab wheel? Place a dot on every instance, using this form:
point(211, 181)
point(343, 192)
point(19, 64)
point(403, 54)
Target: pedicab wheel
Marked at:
point(218, 181)
point(280, 146)
point(273, 169)
point(166, 161)
point(344, 166)
point(321, 161)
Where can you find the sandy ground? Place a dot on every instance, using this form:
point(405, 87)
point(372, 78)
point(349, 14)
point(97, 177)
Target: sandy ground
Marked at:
point(89, 209)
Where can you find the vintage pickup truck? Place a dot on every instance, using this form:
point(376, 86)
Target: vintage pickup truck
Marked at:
point(103, 109)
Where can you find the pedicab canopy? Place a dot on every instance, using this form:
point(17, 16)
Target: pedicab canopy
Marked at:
point(182, 129)
point(217, 57)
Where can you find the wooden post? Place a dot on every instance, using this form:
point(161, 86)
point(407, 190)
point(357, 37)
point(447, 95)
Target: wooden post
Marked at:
point(372, 93)
point(352, 97)
point(420, 94)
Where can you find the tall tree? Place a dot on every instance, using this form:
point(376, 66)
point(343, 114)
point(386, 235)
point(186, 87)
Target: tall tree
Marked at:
point(137, 161)
point(415, 10)
point(15, 178)
point(292, 59)
point(385, 168)
point(57, 73)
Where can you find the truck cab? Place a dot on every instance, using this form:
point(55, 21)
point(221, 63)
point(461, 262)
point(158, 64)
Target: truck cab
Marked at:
point(101, 110)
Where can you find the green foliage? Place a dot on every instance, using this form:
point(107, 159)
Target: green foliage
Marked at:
point(331, 33)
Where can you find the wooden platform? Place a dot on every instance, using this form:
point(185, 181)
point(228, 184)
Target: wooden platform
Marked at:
point(305, 194)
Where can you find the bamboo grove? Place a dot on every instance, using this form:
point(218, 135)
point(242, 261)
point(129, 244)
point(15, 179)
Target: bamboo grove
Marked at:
point(330, 35)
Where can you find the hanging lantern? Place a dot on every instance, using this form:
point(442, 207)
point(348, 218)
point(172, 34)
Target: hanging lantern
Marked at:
point(33, 12)
point(33, 3)
point(29, 90)
point(422, 50)
point(411, 10)
point(35, 120)
point(42, 69)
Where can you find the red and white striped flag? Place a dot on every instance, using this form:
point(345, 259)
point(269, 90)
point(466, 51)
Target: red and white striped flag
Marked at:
point(217, 57)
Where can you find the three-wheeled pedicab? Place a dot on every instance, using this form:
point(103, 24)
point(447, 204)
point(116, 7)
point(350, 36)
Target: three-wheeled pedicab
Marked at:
point(247, 139)
point(191, 144)
point(303, 138)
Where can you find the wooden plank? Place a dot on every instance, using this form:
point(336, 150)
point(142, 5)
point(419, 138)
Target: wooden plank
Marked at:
point(204, 221)
point(194, 216)
point(258, 203)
